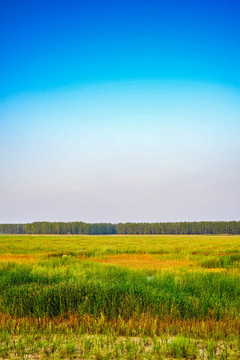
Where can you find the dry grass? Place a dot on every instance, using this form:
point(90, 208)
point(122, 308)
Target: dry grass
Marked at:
point(140, 261)
point(138, 324)
point(19, 258)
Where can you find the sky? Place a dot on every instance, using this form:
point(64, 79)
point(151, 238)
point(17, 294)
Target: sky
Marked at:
point(116, 111)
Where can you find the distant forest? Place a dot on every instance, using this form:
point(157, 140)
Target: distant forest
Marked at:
point(201, 227)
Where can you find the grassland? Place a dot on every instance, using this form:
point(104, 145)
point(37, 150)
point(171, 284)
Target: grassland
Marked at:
point(120, 297)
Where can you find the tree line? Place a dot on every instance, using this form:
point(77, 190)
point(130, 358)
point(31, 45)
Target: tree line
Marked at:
point(79, 227)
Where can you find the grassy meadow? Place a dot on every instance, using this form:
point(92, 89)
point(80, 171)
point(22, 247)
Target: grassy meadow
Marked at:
point(120, 297)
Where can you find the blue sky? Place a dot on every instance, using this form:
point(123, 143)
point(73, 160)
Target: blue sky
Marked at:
point(119, 111)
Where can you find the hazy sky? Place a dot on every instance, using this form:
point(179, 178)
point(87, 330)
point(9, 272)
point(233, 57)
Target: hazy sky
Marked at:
point(119, 111)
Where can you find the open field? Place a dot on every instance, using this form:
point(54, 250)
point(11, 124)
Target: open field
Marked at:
point(120, 297)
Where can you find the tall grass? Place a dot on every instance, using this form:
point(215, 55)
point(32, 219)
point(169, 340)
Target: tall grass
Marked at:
point(228, 262)
point(66, 286)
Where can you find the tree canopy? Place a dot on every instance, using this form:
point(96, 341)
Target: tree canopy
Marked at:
point(79, 227)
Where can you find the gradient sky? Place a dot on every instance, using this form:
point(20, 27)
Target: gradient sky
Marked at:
point(119, 110)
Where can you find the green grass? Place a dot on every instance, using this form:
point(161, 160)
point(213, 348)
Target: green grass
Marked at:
point(112, 347)
point(56, 287)
point(53, 287)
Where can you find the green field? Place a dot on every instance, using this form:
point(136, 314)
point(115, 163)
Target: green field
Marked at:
point(120, 297)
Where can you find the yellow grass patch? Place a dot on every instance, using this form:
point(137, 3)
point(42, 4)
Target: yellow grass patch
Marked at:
point(19, 258)
point(215, 270)
point(149, 261)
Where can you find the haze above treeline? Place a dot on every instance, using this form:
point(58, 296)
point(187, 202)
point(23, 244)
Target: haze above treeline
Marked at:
point(79, 227)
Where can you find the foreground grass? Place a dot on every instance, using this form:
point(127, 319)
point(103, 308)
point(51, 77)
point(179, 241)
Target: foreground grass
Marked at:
point(113, 347)
point(126, 297)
